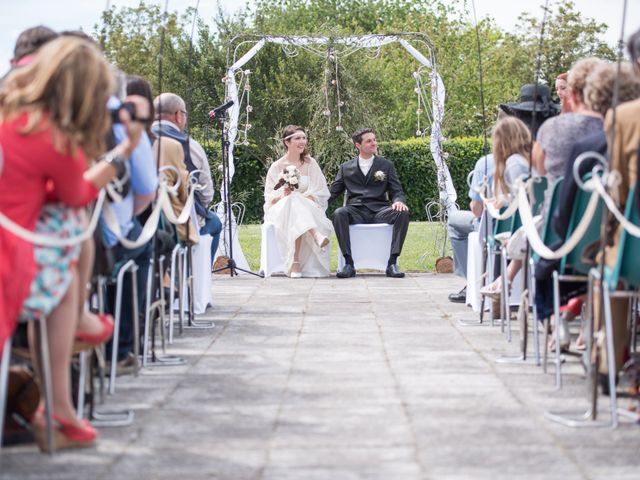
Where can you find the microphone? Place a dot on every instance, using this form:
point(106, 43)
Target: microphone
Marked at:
point(218, 111)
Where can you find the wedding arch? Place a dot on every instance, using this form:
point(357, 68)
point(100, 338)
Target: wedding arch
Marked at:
point(431, 98)
point(341, 47)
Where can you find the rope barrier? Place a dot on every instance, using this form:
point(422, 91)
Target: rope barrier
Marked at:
point(526, 216)
point(489, 204)
point(632, 229)
point(48, 241)
point(148, 231)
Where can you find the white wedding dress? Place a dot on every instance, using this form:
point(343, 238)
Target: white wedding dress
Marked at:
point(296, 214)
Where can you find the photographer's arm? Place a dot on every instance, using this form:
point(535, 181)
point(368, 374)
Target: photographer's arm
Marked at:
point(102, 172)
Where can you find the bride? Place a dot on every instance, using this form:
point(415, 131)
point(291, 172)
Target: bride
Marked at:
point(298, 209)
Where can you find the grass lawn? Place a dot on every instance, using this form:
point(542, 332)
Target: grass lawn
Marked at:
point(418, 254)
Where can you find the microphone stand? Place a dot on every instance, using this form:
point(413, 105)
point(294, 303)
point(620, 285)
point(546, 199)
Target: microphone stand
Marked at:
point(219, 117)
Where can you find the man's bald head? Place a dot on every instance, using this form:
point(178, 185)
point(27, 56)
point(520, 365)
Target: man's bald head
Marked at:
point(171, 107)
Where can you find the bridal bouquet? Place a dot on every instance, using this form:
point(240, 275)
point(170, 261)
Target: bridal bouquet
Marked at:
point(290, 177)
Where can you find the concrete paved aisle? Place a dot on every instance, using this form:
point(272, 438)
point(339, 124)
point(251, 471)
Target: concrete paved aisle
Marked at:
point(366, 378)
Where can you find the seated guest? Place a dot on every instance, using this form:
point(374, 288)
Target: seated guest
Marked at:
point(557, 135)
point(532, 97)
point(596, 99)
point(511, 152)
point(170, 153)
point(29, 42)
point(53, 118)
point(562, 90)
point(462, 222)
point(624, 140)
point(171, 121)
point(143, 182)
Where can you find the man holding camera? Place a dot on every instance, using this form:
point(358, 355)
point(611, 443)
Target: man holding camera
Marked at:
point(171, 121)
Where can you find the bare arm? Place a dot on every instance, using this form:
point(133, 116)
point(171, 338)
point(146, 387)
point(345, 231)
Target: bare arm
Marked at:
point(476, 208)
point(537, 158)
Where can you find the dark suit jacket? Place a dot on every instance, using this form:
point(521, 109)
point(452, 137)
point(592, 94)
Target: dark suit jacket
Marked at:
point(367, 190)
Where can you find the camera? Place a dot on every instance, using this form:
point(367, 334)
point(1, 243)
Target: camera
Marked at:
point(128, 106)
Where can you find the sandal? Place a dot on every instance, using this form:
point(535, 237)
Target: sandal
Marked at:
point(86, 341)
point(565, 336)
point(65, 433)
point(493, 290)
point(321, 240)
point(295, 274)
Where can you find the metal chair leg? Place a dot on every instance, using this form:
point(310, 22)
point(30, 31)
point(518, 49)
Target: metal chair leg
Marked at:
point(147, 316)
point(534, 311)
point(175, 255)
point(116, 325)
point(586, 418)
point(545, 356)
point(556, 313)
point(82, 380)
point(4, 382)
point(45, 370)
point(611, 357)
point(506, 309)
point(136, 319)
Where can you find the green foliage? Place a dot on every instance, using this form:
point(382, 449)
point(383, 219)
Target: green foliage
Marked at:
point(567, 38)
point(377, 87)
point(412, 158)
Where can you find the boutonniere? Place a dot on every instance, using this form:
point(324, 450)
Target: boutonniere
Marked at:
point(379, 176)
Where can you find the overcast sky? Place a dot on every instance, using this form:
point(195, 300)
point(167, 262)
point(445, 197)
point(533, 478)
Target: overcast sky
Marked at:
point(73, 14)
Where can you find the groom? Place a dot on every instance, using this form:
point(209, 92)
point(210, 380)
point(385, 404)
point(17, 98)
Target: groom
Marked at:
point(367, 180)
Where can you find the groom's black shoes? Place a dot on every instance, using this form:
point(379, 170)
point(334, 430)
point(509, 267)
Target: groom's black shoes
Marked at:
point(347, 271)
point(394, 272)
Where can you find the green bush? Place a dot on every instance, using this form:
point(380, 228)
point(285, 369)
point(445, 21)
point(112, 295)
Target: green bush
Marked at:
point(412, 158)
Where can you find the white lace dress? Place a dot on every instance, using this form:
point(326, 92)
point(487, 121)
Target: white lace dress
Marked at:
point(296, 214)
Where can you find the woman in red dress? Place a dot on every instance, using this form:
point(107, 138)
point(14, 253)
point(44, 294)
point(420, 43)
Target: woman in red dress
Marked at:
point(53, 117)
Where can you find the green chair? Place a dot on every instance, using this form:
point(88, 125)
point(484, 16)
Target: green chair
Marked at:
point(549, 237)
point(572, 266)
point(626, 272)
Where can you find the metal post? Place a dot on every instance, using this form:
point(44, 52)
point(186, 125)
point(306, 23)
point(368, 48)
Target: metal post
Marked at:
point(556, 313)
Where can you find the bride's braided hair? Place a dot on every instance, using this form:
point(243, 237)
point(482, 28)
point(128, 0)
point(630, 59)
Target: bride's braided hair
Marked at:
point(288, 132)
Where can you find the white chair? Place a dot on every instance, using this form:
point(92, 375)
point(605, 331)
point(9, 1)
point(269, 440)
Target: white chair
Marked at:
point(202, 291)
point(271, 260)
point(370, 246)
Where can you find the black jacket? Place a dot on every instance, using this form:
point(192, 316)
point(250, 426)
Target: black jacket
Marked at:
point(596, 142)
point(368, 191)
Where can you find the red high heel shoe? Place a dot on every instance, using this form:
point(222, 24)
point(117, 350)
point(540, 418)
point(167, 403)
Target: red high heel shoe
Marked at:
point(85, 341)
point(573, 306)
point(65, 434)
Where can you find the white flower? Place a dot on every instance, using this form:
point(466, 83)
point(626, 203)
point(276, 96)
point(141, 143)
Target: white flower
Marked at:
point(379, 176)
point(293, 181)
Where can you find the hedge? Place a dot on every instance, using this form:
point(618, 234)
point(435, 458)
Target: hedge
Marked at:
point(412, 158)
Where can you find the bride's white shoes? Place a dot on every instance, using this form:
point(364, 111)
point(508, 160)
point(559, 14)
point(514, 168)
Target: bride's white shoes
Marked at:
point(295, 270)
point(321, 241)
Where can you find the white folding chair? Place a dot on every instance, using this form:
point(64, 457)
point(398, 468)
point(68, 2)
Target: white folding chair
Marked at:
point(370, 245)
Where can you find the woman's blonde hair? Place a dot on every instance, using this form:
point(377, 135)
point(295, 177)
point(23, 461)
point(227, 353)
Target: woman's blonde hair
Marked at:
point(67, 85)
point(600, 86)
point(577, 78)
point(510, 136)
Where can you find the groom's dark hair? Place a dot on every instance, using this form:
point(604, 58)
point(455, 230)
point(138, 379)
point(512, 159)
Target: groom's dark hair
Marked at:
point(357, 136)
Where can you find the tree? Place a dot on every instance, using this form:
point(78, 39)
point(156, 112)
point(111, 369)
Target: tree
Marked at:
point(377, 92)
point(567, 37)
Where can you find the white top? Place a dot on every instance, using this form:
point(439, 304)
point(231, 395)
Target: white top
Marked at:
point(365, 164)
